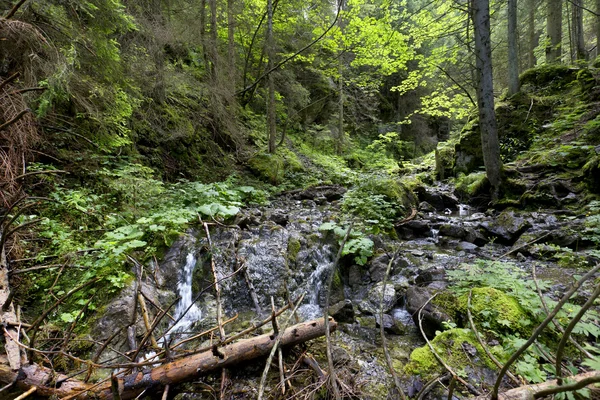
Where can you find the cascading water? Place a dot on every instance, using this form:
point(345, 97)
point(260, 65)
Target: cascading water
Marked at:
point(323, 258)
point(186, 311)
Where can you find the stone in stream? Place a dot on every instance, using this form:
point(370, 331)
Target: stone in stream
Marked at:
point(390, 325)
point(507, 227)
point(453, 230)
point(342, 311)
point(432, 315)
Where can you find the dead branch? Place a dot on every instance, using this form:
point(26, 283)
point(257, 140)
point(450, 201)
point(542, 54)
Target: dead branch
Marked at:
point(332, 374)
point(15, 8)
point(556, 324)
point(278, 341)
point(171, 373)
point(540, 328)
point(14, 119)
point(539, 390)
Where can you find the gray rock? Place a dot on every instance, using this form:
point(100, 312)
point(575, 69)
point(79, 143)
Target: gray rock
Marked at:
point(418, 225)
point(475, 236)
point(467, 247)
point(374, 298)
point(342, 311)
point(432, 315)
point(453, 230)
point(507, 227)
point(357, 276)
point(426, 207)
point(390, 325)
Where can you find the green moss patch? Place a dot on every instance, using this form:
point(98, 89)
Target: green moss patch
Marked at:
point(494, 310)
point(457, 347)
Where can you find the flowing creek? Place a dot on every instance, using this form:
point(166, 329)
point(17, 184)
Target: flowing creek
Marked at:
point(284, 254)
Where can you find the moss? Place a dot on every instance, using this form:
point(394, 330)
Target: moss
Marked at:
point(444, 161)
point(293, 249)
point(268, 167)
point(495, 310)
point(469, 186)
point(453, 346)
point(550, 77)
point(467, 152)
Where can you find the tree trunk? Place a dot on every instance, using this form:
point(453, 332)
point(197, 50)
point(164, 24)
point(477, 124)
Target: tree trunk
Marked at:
point(579, 51)
point(340, 138)
point(231, 44)
point(213, 51)
point(531, 36)
point(271, 122)
point(597, 28)
point(485, 93)
point(513, 60)
point(180, 370)
point(554, 31)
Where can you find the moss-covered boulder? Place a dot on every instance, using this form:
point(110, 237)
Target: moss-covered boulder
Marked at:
point(548, 78)
point(467, 152)
point(459, 349)
point(495, 310)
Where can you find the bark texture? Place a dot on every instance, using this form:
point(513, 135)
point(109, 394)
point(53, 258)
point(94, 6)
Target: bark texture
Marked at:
point(554, 31)
point(488, 126)
point(180, 370)
point(513, 60)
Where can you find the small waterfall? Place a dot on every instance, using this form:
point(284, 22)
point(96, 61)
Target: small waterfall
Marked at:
point(316, 282)
point(185, 308)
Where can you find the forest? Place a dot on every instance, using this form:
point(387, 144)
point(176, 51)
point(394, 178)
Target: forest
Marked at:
point(346, 199)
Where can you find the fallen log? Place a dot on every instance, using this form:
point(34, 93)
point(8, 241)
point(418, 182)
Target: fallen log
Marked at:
point(174, 372)
point(539, 390)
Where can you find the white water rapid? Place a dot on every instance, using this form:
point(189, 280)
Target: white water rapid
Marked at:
point(185, 311)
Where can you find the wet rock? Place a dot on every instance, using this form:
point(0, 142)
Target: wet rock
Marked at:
point(405, 233)
point(467, 247)
point(475, 236)
point(342, 311)
point(378, 266)
point(400, 283)
point(453, 230)
point(507, 227)
point(418, 226)
point(372, 299)
point(357, 276)
point(330, 193)
point(280, 217)
point(389, 324)
point(430, 275)
point(432, 315)
point(426, 207)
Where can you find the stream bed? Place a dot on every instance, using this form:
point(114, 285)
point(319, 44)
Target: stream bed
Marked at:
point(275, 254)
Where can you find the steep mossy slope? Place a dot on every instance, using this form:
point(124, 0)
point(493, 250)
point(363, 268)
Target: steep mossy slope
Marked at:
point(549, 134)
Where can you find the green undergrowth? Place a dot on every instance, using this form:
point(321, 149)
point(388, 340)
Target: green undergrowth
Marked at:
point(506, 308)
point(102, 231)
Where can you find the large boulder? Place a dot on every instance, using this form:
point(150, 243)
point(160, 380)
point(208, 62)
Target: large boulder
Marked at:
point(507, 227)
point(433, 314)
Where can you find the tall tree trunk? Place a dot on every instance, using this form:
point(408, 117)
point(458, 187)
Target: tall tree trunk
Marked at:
point(231, 44)
point(531, 34)
point(513, 60)
point(597, 28)
point(213, 52)
point(203, 33)
point(554, 31)
point(340, 138)
point(271, 123)
point(485, 93)
point(579, 51)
